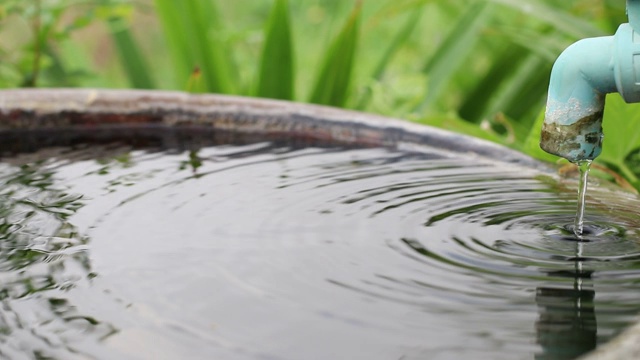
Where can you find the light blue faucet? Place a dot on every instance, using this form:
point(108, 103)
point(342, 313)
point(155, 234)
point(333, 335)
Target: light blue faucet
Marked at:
point(581, 77)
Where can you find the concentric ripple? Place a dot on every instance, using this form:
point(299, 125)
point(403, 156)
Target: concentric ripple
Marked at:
point(265, 251)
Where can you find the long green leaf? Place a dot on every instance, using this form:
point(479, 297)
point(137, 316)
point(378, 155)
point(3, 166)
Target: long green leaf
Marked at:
point(69, 64)
point(529, 88)
point(173, 18)
point(455, 49)
point(131, 57)
point(276, 66)
point(522, 90)
point(210, 50)
point(539, 42)
point(400, 39)
point(561, 20)
point(332, 85)
point(192, 28)
point(505, 63)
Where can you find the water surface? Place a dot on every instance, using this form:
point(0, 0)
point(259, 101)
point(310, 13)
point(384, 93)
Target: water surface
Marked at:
point(271, 251)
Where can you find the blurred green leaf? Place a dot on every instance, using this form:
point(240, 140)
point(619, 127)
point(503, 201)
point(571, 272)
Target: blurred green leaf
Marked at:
point(525, 94)
point(523, 89)
point(476, 104)
point(276, 67)
point(621, 136)
point(191, 29)
point(542, 43)
point(109, 11)
point(172, 18)
point(559, 19)
point(131, 56)
point(202, 22)
point(454, 50)
point(332, 85)
point(400, 39)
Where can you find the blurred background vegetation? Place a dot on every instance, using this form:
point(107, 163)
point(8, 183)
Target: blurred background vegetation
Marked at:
point(479, 67)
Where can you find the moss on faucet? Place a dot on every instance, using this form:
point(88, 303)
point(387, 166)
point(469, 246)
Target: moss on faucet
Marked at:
point(580, 140)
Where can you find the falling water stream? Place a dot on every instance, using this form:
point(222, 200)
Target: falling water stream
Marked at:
point(274, 250)
point(578, 225)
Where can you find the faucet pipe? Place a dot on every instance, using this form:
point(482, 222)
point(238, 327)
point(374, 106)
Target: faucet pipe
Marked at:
point(580, 79)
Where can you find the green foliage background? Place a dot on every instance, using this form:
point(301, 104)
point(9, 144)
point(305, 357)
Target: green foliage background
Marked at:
point(479, 67)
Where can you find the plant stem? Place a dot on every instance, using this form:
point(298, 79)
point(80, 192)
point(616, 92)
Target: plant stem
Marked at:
point(32, 80)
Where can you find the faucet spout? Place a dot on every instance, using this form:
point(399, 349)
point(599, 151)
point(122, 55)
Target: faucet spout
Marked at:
point(580, 79)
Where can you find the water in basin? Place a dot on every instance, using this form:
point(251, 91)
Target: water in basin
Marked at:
point(278, 251)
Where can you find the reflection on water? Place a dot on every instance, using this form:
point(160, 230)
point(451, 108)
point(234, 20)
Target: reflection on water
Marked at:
point(42, 257)
point(567, 327)
point(268, 251)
